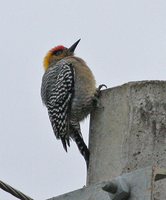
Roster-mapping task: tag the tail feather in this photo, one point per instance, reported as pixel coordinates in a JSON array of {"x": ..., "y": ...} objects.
[
  {"x": 75, "y": 134},
  {"x": 65, "y": 142},
  {"x": 82, "y": 147}
]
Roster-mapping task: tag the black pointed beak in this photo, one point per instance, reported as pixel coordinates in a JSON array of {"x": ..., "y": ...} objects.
[{"x": 72, "y": 48}]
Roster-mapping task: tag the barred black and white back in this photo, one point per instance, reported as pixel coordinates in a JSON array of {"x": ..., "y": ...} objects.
[{"x": 57, "y": 91}]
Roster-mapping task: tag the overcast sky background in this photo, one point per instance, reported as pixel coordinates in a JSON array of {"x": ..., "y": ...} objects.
[{"x": 121, "y": 41}]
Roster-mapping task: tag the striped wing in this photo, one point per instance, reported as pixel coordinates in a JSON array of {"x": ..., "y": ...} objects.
[{"x": 59, "y": 97}]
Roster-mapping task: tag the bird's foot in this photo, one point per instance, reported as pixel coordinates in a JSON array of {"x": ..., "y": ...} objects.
[
  {"x": 97, "y": 94},
  {"x": 98, "y": 91}
]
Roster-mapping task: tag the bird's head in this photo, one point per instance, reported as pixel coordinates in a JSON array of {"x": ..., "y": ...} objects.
[{"x": 57, "y": 53}]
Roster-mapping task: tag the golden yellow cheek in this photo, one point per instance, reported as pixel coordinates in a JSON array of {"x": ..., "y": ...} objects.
[{"x": 47, "y": 60}]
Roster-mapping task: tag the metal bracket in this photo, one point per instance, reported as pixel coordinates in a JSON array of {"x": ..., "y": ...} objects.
[
  {"x": 118, "y": 190},
  {"x": 138, "y": 185}
]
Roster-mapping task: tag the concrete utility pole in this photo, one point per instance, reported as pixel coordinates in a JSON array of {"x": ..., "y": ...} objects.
[{"x": 127, "y": 145}]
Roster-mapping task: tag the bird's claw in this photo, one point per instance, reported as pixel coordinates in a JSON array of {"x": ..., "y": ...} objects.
[
  {"x": 99, "y": 89},
  {"x": 97, "y": 94}
]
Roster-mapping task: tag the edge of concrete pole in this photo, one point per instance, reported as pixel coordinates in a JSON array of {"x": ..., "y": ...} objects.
[{"x": 128, "y": 130}]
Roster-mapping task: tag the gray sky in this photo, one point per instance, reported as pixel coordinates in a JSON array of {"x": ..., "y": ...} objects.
[{"x": 122, "y": 41}]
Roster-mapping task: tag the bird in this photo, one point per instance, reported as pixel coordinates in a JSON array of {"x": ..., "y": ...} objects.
[{"x": 69, "y": 92}]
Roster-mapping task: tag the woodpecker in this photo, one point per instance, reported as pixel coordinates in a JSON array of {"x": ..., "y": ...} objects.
[{"x": 68, "y": 91}]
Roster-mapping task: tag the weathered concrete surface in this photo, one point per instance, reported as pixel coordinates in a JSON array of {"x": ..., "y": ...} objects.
[
  {"x": 128, "y": 131},
  {"x": 140, "y": 184}
]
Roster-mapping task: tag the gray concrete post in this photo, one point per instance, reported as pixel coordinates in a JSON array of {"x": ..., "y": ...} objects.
[{"x": 128, "y": 130}]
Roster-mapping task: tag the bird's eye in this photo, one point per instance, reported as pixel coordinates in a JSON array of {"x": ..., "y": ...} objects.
[{"x": 57, "y": 53}]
